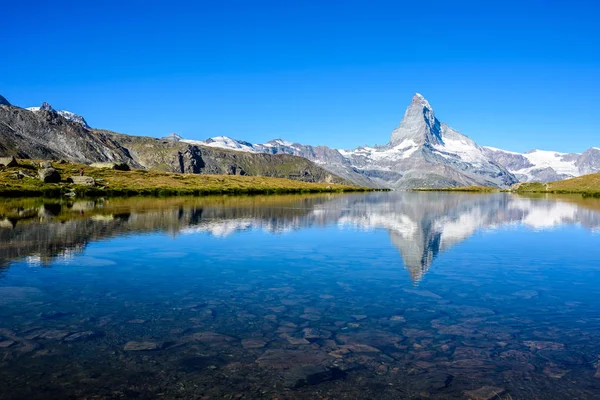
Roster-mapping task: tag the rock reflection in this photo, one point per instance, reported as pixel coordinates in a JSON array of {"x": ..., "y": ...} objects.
[{"x": 420, "y": 225}]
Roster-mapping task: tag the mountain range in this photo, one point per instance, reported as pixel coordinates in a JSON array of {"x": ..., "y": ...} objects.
[{"x": 422, "y": 152}]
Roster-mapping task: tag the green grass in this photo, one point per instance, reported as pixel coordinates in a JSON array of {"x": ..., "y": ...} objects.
[
  {"x": 153, "y": 183},
  {"x": 478, "y": 189},
  {"x": 587, "y": 185}
]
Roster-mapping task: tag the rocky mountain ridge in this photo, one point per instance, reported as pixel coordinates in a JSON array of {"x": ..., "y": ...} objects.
[
  {"x": 66, "y": 114},
  {"x": 45, "y": 133}
]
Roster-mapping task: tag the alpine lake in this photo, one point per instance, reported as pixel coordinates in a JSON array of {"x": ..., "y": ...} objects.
[{"x": 388, "y": 295}]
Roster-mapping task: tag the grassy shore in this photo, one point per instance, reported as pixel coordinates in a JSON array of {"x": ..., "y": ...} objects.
[
  {"x": 475, "y": 189},
  {"x": 587, "y": 185},
  {"x": 151, "y": 183}
]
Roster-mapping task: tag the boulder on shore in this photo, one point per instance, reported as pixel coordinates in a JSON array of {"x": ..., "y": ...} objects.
[
  {"x": 8, "y": 162},
  {"x": 111, "y": 165},
  {"x": 49, "y": 175},
  {"x": 82, "y": 180}
]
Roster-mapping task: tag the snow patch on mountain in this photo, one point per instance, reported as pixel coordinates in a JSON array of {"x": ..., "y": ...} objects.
[{"x": 555, "y": 160}]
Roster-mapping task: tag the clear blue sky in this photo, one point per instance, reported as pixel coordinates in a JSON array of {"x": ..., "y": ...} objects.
[{"x": 511, "y": 74}]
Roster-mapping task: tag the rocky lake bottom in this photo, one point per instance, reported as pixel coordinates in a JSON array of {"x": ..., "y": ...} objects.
[{"x": 363, "y": 296}]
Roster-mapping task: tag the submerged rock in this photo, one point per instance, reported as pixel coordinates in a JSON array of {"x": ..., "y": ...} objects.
[
  {"x": 485, "y": 393},
  {"x": 310, "y": 375},
  {"x": 142, "y": 346},
  {"x": 315, "y": 333},
  {"x": 77, "y": 336},
  {"x": 543, "y": 345},
  {"x": 554, "y": 371},
  {"x": 48, "y": 334},
  {"x": 6, "y": 344},
  {"x": 253, "y": 343},
  {"x": 286, "y": 359}
]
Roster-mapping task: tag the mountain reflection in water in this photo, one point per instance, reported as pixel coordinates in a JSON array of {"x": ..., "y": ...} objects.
[{"x": 420, "y": 225}]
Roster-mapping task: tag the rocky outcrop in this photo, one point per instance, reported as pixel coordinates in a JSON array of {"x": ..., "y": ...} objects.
[
  {"x": 111, "y": 165},
  {"x": 8, "y": 162},
  {"x": 49, "y": 175},
  {"x": 81, "y": 180}
]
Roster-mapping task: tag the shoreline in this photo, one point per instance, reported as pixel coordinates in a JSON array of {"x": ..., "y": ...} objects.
[{"x": 22, "y": 181}]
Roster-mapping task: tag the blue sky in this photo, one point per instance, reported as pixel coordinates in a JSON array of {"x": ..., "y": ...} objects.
[{"x": 515, "y": 75}]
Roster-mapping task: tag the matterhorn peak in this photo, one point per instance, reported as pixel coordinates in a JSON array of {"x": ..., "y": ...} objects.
[
  {"x": 419, "y": 99},
  {"x": 419, "y": 124}
]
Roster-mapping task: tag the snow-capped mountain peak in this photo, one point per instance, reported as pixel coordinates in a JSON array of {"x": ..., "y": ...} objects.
[
  {"x": 64, "y": 113},
  {"x": 46, "y": 107},
  {"x": 172, "y": 137},
  {"x": 419, "y": 124},
  {"x": 418, "y": 98}
]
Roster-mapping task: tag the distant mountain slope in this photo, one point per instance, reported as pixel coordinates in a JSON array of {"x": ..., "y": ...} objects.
[
  {"x": 47, "y": 134},
  {"x": 546, "y": 166}
]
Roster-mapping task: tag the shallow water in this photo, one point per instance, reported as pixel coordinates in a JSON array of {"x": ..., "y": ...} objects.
[{"x": 383, "y": 295}]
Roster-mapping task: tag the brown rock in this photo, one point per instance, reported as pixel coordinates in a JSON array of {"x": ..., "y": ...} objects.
[
  {"x": 6, "y": 344},
  {"x": 253, "y": 343},
  {"x": 49, "y": 175},
  {"x": 543, "y": 345},
  {"x": 294, "y": 340},
  {"x": 485, "y": 393},
  {"x": 284, "y": 359},
  {"x": 81, "y": 180},
  {"x": 210, "y": 337},
  {"x": 77, "y": 336},
  {"x": 8, "y": 162},
  {"x": 315, "y": 333},
  {"x": 360, "y": 348},
  {"x": 554, "y": 371},
  {"x": 142, "y": 346}
]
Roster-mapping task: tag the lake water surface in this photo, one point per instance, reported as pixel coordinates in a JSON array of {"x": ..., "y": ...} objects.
[{"x": 366, "y": 296}]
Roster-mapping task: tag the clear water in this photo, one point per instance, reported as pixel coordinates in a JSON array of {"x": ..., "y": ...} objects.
[{"x": 383, "y": 295}]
